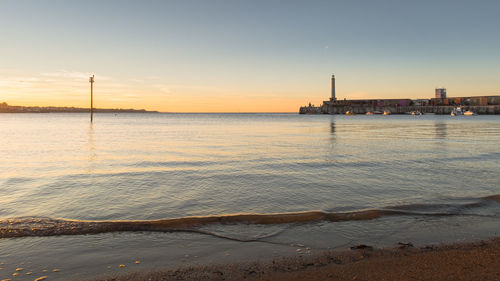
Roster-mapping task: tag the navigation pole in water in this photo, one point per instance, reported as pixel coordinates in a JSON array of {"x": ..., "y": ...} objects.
[{"x": 91, "y": 80}]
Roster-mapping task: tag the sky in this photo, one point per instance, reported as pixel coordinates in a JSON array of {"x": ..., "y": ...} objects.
[{"x": 244, "y": 56}]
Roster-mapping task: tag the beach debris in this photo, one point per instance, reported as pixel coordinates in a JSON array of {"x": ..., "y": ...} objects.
[
  {"x": 298, "y": 250},
  {"x": 404, "y": 245},
  {"x": 19, "y": 269},
  {"x": 361, "y": 247},
  {"x": 56, "y": 270},
  {"x": 137, "y": 262},
  {"x": 41, "y": 278},
  {"x": 29, "y": 273},
  {"x": 122, "y": 265},
  {"x": 299, "y": 245}
]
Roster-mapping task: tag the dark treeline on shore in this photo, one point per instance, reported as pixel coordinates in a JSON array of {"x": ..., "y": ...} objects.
[{"x": 5, "y": 108}]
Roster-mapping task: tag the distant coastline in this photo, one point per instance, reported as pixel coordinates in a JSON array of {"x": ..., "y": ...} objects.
[{"x": 5, "y": 108}]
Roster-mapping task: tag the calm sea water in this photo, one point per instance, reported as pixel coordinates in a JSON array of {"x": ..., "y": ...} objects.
[{"x": 439, "y": 169}]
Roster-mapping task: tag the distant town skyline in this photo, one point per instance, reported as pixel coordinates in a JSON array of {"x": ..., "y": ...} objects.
[{"x": 244, "y": 56}]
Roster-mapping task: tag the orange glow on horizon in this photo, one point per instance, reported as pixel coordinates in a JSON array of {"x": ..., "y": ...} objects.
[
  {"x": 71, "y": 89},
  {"x": 181, "y": 105}
]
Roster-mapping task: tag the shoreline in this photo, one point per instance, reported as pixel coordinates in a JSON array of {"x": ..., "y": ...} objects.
[{"x": 456, "y": 261}]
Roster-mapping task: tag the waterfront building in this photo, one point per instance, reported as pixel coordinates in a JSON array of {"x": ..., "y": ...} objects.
[
  {"x": 440, "y": 93},
  {"x": 440, "y": 104},
  {"x": 473, "y": 101}
]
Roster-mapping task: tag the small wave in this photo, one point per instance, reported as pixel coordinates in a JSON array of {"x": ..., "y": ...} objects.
[
  {"x": 173, "y": 163},
  {"x": 36, "y": 226},
  {"x": 41, "y": 226},
  {"x": 447, "y": 208},
  {"x": 483, "y": 156},
  {"x": 495, "y": 198}
]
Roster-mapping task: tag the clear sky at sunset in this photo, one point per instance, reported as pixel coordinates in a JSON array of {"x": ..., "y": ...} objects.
[{"x": 244, "y": 56}]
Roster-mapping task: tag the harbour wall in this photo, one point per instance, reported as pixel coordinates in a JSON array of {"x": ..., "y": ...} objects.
[
  {"x": 312, "y": 110},
  {"x": 336, "y": 109}
]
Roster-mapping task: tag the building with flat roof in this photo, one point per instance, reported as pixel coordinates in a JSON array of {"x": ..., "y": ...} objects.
[{"x": 440, "y": 93}]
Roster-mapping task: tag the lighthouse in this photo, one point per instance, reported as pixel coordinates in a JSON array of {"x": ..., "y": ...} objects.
[{"x": 333, "y": 98}]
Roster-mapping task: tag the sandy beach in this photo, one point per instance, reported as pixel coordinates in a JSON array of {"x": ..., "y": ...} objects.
[{"x": 466, "y": 261}]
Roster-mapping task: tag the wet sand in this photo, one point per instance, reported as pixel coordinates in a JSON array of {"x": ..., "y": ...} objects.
[{"x": 466, "y": 261}]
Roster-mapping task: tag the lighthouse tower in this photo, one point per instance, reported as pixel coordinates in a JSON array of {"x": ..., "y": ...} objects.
[{"x": 333, "y": 98}]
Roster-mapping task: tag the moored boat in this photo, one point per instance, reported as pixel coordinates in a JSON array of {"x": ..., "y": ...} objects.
[{"x": 457, "y": 111}]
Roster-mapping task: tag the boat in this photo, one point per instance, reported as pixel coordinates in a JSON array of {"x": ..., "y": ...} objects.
[
  {"x": 378, "y": 112},
  {"x": 457, "y": 111},
  {"x": 414, "y": 113},
  {"x": 349, "y": 113},
  {"x": 369, "y": 113},
  {"x": 387, "y": 112},
  {"x": 469, "y": 113}
]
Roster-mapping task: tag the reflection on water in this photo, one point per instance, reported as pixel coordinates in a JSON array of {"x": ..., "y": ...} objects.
[
  {"x": 164, "y": 166},
  {"x": 159, "y": 166},
  {"x": 91, "y": 149},
  {"x": 440, "y": 129},
  {"x": 332, "y": 127}
]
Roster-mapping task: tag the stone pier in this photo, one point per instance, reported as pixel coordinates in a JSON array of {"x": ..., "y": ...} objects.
[{"x": 335, "y": 109}]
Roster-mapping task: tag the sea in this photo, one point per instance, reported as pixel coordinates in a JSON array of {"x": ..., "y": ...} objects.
[{"x": 150, "y": 191}]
